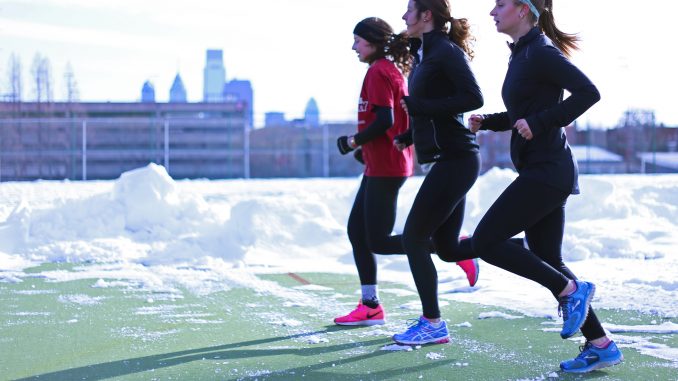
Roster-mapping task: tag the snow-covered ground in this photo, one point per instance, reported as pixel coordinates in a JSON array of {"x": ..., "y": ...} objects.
[{"x": 151, "y": 231}]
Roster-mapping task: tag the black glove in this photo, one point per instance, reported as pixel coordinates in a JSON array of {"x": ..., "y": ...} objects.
[
  {"x": 342, "y": 144},
  {"x": 358, "y": 155},
  {"x": 404, "y": 138}
]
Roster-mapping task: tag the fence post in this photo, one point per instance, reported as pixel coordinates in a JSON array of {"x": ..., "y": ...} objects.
[
  {"x": 326, "y": 152},
  {"x": 167, "y": 145},
  {"x": 1, "y": 150},
  {"x": 654, "y": 149},
  {"x": 246, "y": 150},
  {"x": 84, "y": 150}
]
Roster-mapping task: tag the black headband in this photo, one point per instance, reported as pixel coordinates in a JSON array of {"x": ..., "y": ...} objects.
[{"x": 369, "y": 33}]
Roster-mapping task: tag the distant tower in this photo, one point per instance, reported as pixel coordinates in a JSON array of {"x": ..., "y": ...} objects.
[
  {"x": 215, "y": 76},
  {"x": 240, "y": 90},
  {"x": 312, "y": 115},
  {"x": 148, "y": 93},
  {"x": 178, "y": 91}
]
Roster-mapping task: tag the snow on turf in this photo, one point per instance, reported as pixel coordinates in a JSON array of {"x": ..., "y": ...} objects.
[
  {"x": 497, "y": 315},
  {"x": 147, "y": 231}
]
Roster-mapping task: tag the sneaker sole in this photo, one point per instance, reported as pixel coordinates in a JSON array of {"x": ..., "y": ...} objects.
[
  {"x": 596, "y": 366},
  {"x": 444, "y": 340},
  {"x": 586, "y": 312},
  {"x": 363, "y": 322}
]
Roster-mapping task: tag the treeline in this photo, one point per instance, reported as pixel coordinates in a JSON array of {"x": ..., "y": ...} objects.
[{"x": 41, "y": 84}]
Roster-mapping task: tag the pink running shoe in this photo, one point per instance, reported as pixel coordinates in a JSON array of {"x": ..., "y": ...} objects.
[
  {"x": 471, "y": 268},
  {"x": 362, "y": 315}
]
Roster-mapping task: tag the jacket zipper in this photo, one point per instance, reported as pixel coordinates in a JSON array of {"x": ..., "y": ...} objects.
[{"x": 435, "y": 134}]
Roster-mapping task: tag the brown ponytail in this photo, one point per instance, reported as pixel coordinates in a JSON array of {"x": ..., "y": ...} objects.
[
  {"x": 460, "y": 34},
  {"x": 459, "y": 30},
  {"x": 566, "y": 42},
  {"x": 398, "y": 50}
]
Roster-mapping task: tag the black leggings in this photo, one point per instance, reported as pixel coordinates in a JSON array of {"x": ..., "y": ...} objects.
[
  {"x": 538, "y": 210},
  {"x": 371, "y": 222},
  {"x": 437, "y": 214}
]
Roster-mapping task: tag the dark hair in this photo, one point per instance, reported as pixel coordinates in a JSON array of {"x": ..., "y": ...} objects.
[
  {"x": 387, "y": 44},
  {"x": 564, "y": 41},
  {"x": 459, "y": 31}
]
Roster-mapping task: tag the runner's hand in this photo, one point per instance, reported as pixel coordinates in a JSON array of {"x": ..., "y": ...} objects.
[
  {"x": 475, "y": 121},
  {"x": 523, "y": 129}
]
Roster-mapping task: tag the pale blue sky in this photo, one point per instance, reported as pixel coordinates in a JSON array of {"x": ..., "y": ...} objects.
[{"x": 292, "y": 50}]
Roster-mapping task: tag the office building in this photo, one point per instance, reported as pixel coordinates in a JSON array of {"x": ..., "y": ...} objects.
[
  {"x": 241, "y": 90},
  {"x": 148, "y": 93},
  {"x": 81, "y": 141},
  {"x": 178, "y": 91},
  {"x": 312, "y": 114},
  {"x": 214, "y": 76},
  {"x": 275, "y": 119}
]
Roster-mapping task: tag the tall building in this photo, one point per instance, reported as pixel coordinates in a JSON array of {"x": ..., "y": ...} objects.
[
  {"x": 240, "y": 90},
  {"x": 311, "y": 114},
  {"x": 178, "y": 91},
  {"x": 148, "y": 93},
  {"x": 215, "y": 76}
]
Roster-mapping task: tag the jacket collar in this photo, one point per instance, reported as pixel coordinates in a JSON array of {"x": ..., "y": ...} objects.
[
  {"x": 526, "y": 39},
  {"x": 428, "y": 38}
]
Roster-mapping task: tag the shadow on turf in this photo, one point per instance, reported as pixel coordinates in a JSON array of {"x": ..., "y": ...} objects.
[
  {"x": 222, "y": 352},
  {"x": 232, "y": 351}
]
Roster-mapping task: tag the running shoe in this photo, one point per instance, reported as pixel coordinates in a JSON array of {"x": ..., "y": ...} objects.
[
  {"x": 363, "y": 315},
  {"x": 592, "y": 358},
  {"x": 472, "y": 270},
  {"x": 575, "y": 307},
  {"x": 423, "y": 332},
  {"x": 470, "y": 266}
]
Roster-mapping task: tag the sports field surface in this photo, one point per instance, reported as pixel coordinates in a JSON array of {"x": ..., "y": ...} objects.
[{"x": 78, "y": 330}]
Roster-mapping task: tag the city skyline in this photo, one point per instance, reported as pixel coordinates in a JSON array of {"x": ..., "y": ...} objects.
[{"x": 292, "y": 52}]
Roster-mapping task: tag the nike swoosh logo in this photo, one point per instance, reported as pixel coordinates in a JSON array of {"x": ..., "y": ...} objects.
[
  {"x": 591, "y": 357},
  {"x": 373, "y": 315},
  {"x": 576, "y": 304}
]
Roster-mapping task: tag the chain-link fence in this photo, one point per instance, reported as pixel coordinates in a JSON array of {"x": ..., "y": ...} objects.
[
  {"x": 83, "y": 149},
  {"x": 216, "y": 147}
]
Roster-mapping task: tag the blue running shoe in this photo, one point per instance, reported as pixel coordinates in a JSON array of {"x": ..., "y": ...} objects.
[
  {"x": 423, "y": 332},
  {"x": 575, "y": 307},
  {"x": 592, "y": 358}
]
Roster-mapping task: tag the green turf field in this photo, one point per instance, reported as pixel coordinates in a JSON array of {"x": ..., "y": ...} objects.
[{"x": 280, "y": 331}]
